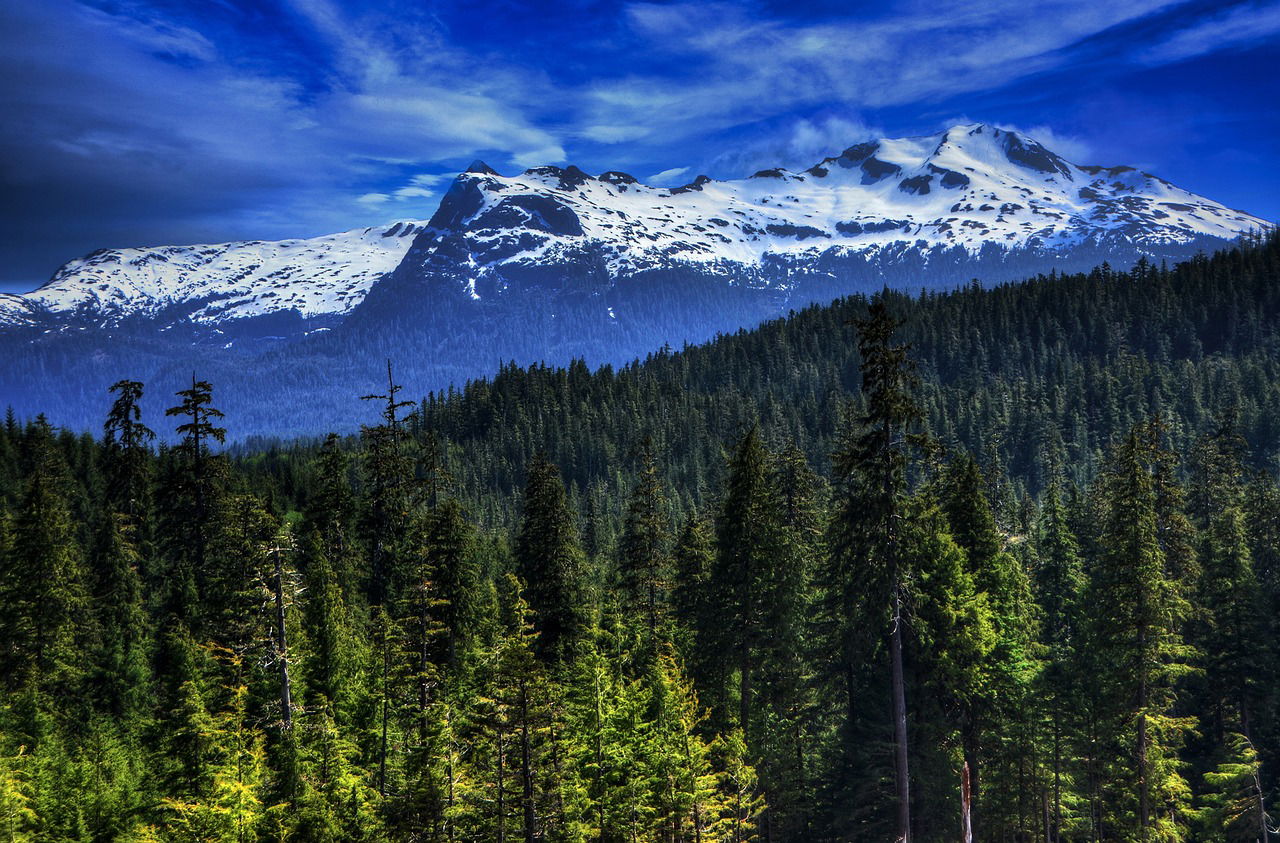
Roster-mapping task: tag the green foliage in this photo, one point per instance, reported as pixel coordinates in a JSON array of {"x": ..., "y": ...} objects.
[
  {"x": 550, "y": 561},
  {"x": 1233, "y": 807},
  {"x": 752, "y": 591}
]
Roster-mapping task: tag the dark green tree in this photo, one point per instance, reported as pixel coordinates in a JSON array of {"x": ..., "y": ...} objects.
[
  {"x": 1138, "y": 611},
  {"x": 550, "y": 562},
  {"x": 867, "y": 583},
  {"x": 643, "y": 561},
  {"x": 127, "y": 451}
]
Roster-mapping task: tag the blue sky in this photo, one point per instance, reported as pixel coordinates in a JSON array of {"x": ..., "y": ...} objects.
[{"x": 141, "y": 123}]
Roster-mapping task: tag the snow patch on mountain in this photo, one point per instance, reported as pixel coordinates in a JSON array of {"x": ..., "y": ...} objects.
[
  {"x": 961, "y": 191},
  {"x": 968, "y": 187},
  {"x": 210, "y": 284}
]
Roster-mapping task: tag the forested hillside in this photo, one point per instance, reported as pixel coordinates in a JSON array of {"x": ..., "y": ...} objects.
[{"x": 793, "y": 585}]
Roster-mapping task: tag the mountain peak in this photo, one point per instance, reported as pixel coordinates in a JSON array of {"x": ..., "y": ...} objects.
[
  {"x": 478, "y": 166},
  {"x": 991, "y": 147}
]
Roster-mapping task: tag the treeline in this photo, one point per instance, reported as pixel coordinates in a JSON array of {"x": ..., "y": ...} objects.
[
  {"x": 583, "y": 606},
  {"x": 1025, "y": 376}
]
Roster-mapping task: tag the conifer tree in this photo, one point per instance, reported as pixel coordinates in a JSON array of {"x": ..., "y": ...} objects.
[
  {"x": 1233, "y": 805},
  {"x": 1000, "y": 685},
  {"x": 337, "y": 802},
  {"x": 693, "y": 559},
  {"x": 232, "y": 805},
  {"x": 514, "y": 745},
  {"x": 196, "y": 432},
  {"x": 122, "y": 673},
  {"x": 18, "y": 818},
  {"x": 127, "y": 449},
  {"x": 868, "y": 579},
  {"x": 1228, "y": 631},
  {"x": 332, "y": 670},
  {"x": 643, "y": 551},
  {"x": 1139, "y": 609},
  {"x": 450, "y": 539},
  {"x": 550, "y": 562},
  {"x": 737, "y": 801},
  {"x": 192, "y": 497},
  {"x": 951, "y": 637},
  {"x": 1060, "y": 588},
  {"x": 389, "y": 499},
  {"x": 745, "y": 537},
  {"x": 785, "y": 756},
  {"x": 329, "y": 516},
  {"x": 45, "y": 589}
]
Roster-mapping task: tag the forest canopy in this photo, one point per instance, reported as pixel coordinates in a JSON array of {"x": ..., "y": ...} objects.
[{"x": 795, "y": 584}]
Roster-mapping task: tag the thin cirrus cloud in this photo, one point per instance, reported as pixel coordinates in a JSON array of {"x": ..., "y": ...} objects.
[
  {"x": 1234, "y": 28},
  {"x": 129, "y": 129},
  {"x": 142, "y": 122},
  {"x": 668, "y": 177},
  {"x": 749, "y": 67}
]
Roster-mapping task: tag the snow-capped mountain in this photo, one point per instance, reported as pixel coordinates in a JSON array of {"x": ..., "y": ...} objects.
[
  {"x": 928, "y": 204},
  {"x": 554, "y": 265},
  {"x": 969, "y": 188},
  {"x": 320, "y": 277}
]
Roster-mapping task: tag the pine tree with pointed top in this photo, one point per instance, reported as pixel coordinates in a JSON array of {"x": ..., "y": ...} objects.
[
  {"x": 192, "y": 492},
  {"x": 127, "y": 451},
  {"x": 1139, "y": 608},
  {"x": 122, "y": 669},
  {"x": 745, "y": 536},
  {"x": 998, "y": 699},
  {"x": 866, "y": 582},
  {"x": 1228, "y": 628},
  {"x": 1060, "y": 590},
  {"x": 389, "y": 499},
  {"x": 643, "y": 561},
  {"x": 550, "y": 562},
  {"x": 44, "y": 611}
]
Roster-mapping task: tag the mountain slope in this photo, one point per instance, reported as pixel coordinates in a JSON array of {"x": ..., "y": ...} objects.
[
  {"x": 212, "y": 284},
  {"x": 555, "y": 264},
  {"x": 967, "y": 188}
]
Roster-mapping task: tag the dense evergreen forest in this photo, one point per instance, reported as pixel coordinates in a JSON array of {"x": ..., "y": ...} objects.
[{"x": 813, "y": 581}]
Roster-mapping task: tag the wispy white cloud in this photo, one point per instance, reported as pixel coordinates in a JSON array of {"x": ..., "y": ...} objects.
[
  {"x": 1071, "y": 146},
  {"x": 744, "y": 65},
  {"x": 1238, "y": 27},
  {"x": 796, "y": 145},
  {"x": 407, "y": 95},
  {"x": 126, "y": 123},
  {"x": 667, "y": 177}
]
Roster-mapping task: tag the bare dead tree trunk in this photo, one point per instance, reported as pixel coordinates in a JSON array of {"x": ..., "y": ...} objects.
[
  {"x": 282, "y": 642},
  {"x": 900, "y": 723},
  {"x": 526, "y": 768},
  {"x": 502, "y": 801},
  {"x": 966, "y": 802},
  {"x": 382, "y": 751}
]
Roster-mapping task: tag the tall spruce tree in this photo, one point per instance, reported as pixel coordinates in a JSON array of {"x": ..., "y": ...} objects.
[
  {"x": 389, "y": 500},
  {"x": 122, "y": 674},
  {"x": 745, "y": 536},
  {"x": 192, "y": 492},
  {"x": 1228, "y": 630},
  {"x": 1000, "y": 686},
  {"x": 868, "y": 580},
  {"x": 1060, "y": 589},
  {"x": 550, "y": 562},
  {"x": 643, "y": 561},
  {"x": 45, "y": 607},
  {"x": 1139, "y": 607},
  {"x": 127, "y": 451}
]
